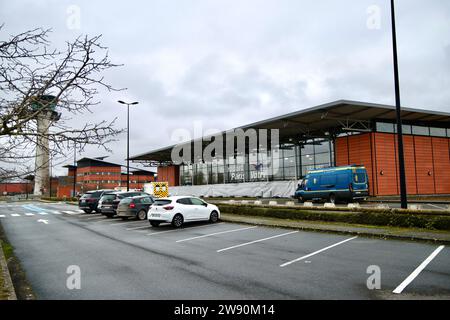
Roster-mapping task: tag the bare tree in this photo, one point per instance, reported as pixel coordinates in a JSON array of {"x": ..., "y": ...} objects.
[{"x": 33, "y": 79}]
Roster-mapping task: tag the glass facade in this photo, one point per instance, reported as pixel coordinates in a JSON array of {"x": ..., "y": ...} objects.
[
  {"x": 286, "y": 163},
  {"x": 388, "y": 127}
]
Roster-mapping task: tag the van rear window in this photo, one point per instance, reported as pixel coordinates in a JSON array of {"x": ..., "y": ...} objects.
[{"x": 359, "y": 177}]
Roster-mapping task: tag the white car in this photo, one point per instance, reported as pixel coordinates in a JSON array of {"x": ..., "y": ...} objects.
[{"x": 178, "y": 210}]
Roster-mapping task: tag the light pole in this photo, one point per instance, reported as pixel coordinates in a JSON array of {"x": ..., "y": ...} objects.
[
  {"x": 74, "y": 169},
  {"x": 128, "y": 140},
  {"x": 401, "y": 158}
]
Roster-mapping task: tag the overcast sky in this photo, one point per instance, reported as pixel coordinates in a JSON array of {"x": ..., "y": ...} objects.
[{"x": 227, "y": 63}]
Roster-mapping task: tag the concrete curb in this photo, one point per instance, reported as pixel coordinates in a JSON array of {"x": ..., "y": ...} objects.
[
  {"x": 6, "y": 276},
  {"x": 339, "y": 229}
]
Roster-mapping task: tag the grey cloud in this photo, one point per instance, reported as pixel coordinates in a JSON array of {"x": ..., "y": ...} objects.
[{"x": 228, "y": 63}]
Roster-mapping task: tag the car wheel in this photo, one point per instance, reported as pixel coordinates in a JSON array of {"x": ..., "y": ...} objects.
[
  {"x": 214, "y": 217},
  {"x": 142, "y": 215},
  {"x": 332, "y": 198},
  {"x": 124, "y": 218},
  {"x": 88, "y": 211},
  {"x": 155, "y": 223},
  {"x": 177, "y": 221},
  {"x": 109, "y": 215}
]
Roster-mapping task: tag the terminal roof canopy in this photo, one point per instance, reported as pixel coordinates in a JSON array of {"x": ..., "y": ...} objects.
[{"x": 323, "y": 121}]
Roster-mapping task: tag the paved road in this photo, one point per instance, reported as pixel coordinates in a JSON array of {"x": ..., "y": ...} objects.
[{"x": 131, "y": 260}]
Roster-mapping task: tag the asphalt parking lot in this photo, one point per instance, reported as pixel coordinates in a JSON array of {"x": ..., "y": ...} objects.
[{"x": 132, "y": 260}]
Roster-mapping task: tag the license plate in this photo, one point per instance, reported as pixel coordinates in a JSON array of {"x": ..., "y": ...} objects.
[
  {"x": 83, "y": 201},
  {"x": 106, "y": 206},
  {"x": 156, "y": 215}
]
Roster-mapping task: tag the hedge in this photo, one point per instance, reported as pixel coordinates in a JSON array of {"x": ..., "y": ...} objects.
[
  {"x": 376, "y": 218},
  {"x": 59, "y": 199}
]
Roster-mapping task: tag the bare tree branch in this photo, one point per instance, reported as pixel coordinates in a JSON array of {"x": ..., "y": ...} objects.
[{"x": 30, "y": 70}]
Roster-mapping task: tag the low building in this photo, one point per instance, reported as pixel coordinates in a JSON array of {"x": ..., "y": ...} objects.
[
  {"x": 15, "y": 188},
  {"x": 334, "y": 134},
  {"x": 95, "y": 173}
]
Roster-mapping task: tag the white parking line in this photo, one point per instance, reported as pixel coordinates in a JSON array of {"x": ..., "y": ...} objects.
[
  {"x": 89, "y": 215},
  {"x": 56, "y": 212},
  {"x": 29, "y": 214},
  {"x": 97, "y": 218},
  {"x": 15, "y": 215},
  {"x": 126, "y": 223},
  {"x": 256, "y": 241},
  {"x": 316, "y": 252},
  {"x": 216, "y": 233},
  {"x": 2, "y": 215},
  {"x": 136, "y": 228},
  {"x": 69, "y": 212},
  {"x": 418, "y": 270},
  {"x": 42, "y": 213},
  {"x": 175, "y": 230},
  {"x": 435, "y": 206}
]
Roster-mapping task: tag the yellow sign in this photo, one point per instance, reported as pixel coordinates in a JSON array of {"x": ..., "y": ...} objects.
[{"x": 160, "y": 189}]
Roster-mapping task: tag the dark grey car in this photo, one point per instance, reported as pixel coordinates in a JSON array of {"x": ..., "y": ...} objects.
[
  {"x": 109, "y": 201},
  {"x": 136, "y": 207}
]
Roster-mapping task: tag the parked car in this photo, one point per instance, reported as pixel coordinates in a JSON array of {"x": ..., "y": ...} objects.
[
  {"x": 89, "y": 201},
  {"x": 110, "y": 201},
  {"x": 178, "y": 210},
  {"x": 346, "y": 183},
  {"x": 136, "y": 207}
]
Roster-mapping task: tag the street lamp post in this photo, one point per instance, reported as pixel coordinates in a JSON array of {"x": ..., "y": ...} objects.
[
  {"x": 74, "y": 169},
  {"x": 401, "y": 158},
  {"x": 128, "y": 140}
]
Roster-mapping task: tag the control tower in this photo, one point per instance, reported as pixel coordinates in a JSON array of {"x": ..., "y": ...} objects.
[{"x": 44, "y": 120}]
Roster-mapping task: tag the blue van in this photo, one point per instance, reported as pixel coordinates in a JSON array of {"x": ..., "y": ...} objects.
[{"x": 334, "y": 184}]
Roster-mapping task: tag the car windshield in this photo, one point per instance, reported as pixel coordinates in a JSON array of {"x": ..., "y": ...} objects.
[
  {"x": 162, "y": 202},
  {"x": 86, "y": 195}
]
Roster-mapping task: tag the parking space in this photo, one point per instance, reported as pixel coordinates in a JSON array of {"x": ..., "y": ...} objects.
[{"x": 276, "y": 262}]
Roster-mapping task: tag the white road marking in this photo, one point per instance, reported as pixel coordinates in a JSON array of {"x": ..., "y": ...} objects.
[
  {"x": 89, "y": 215},
  {"x": 97, "y": 218},
  {"x": 15, "y": 215},
  {"x": 256, "y": 241},
  {"x": 435, "y": 206},
  {"x": 42, "y": 213},
  {"x": 56, "y": 212},
  {"x": 69, "y": 212},
  {"x": 175, "y": 230},
  {"x": 216, "y": 233},
  {"x": 29, "y": 214},
  {"x": 126, "y": 223},
  {"x": 418, "y": 270},
  {"x": 135, "y": 228},
  {"x": 317, "y": 252},
  {"x": 43, "y": 221},
  {"x": 2, "y": 215}
]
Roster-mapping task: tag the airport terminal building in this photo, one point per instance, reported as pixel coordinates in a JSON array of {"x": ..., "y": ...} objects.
[{"x": 334, "y": 134}]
